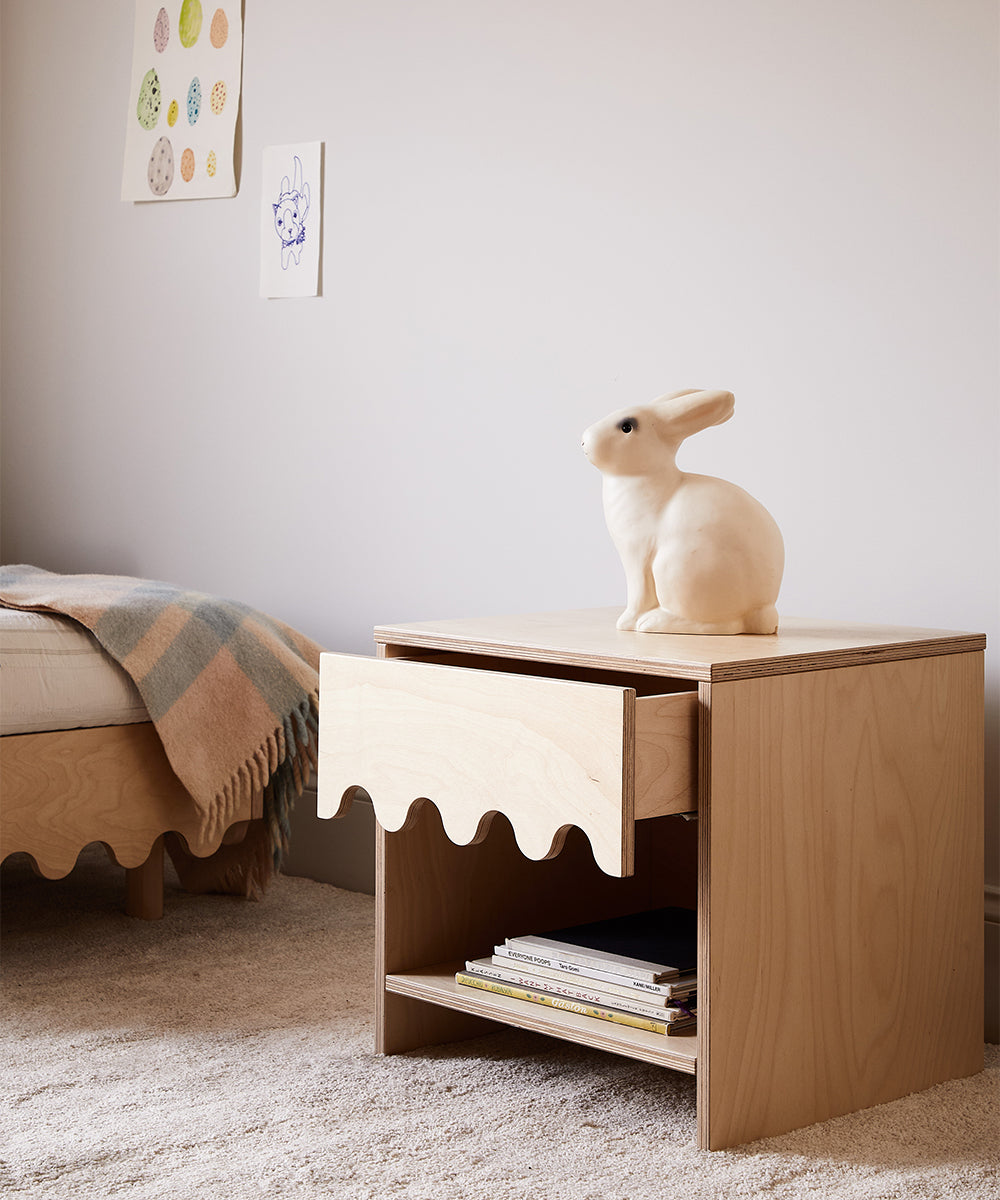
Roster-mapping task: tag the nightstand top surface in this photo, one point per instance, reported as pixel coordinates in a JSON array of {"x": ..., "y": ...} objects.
[{"x": 588, "y": 637}]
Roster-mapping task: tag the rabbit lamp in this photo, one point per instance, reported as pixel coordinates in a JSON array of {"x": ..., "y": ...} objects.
[{"x": 700, "y": 554}]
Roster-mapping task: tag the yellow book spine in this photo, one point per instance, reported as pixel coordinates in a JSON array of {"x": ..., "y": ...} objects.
[{"x": 577, "y": 1006}]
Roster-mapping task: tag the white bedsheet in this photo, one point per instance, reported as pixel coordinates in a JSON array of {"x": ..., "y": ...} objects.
[{"x": 55, "y": 675}]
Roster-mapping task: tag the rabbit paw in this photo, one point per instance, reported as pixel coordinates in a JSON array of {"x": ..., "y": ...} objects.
[{"x": 660, "y": 620}]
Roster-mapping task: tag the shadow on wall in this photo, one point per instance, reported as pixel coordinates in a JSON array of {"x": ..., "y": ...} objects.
[{"x": 340, "y": 851}]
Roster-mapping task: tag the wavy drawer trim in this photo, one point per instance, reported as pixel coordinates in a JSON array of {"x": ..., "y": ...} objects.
[
  {"x": 463, "y": 828},
  {"x": 547, "y": 753}
]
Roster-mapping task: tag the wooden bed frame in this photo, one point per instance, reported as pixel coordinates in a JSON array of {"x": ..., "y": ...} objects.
[{"x": 61, "y": 791}]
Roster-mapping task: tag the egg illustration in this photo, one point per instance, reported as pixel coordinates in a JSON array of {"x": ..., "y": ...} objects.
[
  {"x": 161, "y": 31},
  {"x": 194, "y": 101},
  {"x": 187, "y": 165},
  {"x": 220, "y": 29},
  {"x": 211, "y": 166},
  {"x": 160, "y": 172},
  {"x": 218, "y": 97},
  {"x": 172, "y": 112},
  {"x": 189, "y": 23},
  {"x": 147, "y": 107}
]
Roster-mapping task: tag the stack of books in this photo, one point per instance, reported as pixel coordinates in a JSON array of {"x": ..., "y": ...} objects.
[{"x": 637, "y": 970}]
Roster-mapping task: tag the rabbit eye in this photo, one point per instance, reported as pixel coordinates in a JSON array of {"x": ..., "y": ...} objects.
[{"x": 628, "y": 425}]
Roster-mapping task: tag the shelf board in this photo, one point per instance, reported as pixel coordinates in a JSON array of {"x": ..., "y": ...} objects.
[{"x": 437, "y": 985}]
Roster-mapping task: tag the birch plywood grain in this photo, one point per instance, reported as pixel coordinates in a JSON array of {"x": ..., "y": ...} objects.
[
  {"x": 841, "y": 892},
  {"x": 588, "y": 637},
  {"x": 547, "y": 753},
  {"x": 666, "y": 754},
  {"x": 666, "y": 723},
  {"x": 112, "y": 784}
]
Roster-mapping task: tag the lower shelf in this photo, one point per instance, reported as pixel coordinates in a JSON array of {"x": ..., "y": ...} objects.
[{"x": 437, "y": 985}]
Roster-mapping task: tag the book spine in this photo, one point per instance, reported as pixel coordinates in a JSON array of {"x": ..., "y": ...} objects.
[
  {"x": 594, "y": 958},
  {"x": 681, "y": 987},
  {"x": 561, "y": 1002},
  {"x": 575, "y": 991}
]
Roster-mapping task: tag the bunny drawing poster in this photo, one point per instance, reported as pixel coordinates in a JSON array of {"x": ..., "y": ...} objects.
[
  {"x": 700, "y": 554},
  {"x": 291, "y": 211}
]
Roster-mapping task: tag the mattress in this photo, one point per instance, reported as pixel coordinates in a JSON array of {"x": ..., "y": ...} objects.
[{"x": 54, "y": 674}]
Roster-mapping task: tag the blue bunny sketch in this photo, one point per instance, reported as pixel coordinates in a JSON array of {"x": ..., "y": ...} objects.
[{"x": 290, "y": 214}]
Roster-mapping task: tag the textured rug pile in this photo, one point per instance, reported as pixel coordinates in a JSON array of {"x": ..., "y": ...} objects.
[{"x": 225, "y": 1051}]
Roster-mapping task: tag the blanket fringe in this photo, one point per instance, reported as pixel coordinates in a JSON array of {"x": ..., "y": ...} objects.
[{"x": 279, "y": 769}]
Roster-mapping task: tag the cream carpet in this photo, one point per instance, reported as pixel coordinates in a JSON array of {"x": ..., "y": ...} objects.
[{"x": 225, "y": 1052}]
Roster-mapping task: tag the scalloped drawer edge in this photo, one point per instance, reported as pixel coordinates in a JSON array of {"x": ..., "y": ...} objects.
[{"x": 546, "y": 752}]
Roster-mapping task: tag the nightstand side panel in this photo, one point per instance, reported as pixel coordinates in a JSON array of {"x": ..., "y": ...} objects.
[{"x": 841, "y": 891}]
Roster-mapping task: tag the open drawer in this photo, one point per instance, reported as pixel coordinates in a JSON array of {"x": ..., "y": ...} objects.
[{"x": 546, "y": 752}]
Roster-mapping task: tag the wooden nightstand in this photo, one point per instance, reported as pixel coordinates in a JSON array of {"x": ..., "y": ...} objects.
[{"x": 835, "y": 862}]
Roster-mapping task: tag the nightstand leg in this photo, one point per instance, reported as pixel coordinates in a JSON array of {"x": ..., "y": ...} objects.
[{"x": 144, "y": 886}]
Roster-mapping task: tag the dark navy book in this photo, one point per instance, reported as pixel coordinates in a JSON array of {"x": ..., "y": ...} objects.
[{"x": 655, "y": 945}]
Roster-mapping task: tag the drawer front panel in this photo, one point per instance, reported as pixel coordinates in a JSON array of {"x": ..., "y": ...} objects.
[{"x": 547, "y": 753}]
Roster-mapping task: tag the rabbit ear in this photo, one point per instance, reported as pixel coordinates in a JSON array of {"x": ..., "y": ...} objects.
[{"x": 680, "y": 414}]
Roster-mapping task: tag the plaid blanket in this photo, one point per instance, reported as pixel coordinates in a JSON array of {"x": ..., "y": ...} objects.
[{"x": 232, "y": 693}]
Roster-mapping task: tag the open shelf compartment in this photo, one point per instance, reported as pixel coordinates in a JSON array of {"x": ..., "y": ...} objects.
[
  {"x": 437, "y": 985},
  {"x": 445, "y": 904}
]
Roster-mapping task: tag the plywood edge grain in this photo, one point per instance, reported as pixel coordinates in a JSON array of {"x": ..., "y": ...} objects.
[
  {"x": 588, "y": 639},
  {"x": 848, "y": 656}
]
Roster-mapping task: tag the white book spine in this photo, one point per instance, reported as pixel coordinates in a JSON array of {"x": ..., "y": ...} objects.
[
  {"x": 660, "y": 994},
  {"x": 573, "y": 968},
  {"x": 633, "y": 967}
]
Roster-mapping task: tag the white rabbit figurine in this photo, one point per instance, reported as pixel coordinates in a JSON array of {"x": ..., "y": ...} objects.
[{"x": 700, "y": 554}]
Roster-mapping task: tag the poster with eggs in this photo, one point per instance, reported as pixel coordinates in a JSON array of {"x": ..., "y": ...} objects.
[{"x": 183, "y": 101}]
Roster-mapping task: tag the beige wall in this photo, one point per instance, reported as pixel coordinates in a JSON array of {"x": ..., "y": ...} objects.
[{"x": 534, "y": 212}]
